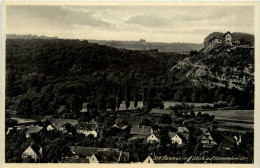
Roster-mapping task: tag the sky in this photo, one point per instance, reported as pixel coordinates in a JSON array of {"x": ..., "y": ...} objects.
[{"x": 190, "y": 24}]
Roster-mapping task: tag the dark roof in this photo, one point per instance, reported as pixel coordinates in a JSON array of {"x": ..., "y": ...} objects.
[
  {"x": 227, "y": 141},
  {"x": 228, "y": 32},
  {"x": 121, "y": 124},
  {"x": 141, "y": 130},
  {"x": 214, "y": 37},
  {"x": 185, "y": 136},
  {"x": 108, "y": 156},
  {"x": 86, "y": 126},
  {"x": 136, "y": 137},
  {"x": 74, "y": 160},
  {"x": 93, "y": 122},
  {"x": 161, "y": 111},
  {"x": 47, "y": 118},
  {"x": 83, "y": 151},
  {"x": 34, "y": 129},
  {"x": 36, "y": 148},
  {"x": 172, "y": 134}
]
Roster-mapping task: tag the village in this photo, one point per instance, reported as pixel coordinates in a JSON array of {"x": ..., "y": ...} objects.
[{"x": 127, "y": 136}]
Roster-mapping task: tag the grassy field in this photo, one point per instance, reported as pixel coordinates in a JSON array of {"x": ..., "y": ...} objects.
[{"x": 234, "y": 119}]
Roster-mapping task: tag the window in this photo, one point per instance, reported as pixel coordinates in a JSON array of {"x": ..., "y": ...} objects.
[{"x": 148, "y": 160}]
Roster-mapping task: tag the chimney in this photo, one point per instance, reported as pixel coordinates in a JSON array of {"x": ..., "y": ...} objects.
[{"x": 143, "y": 127}]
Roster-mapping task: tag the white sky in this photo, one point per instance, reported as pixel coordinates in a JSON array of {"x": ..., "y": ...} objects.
[{"x": 155, "y": 24}]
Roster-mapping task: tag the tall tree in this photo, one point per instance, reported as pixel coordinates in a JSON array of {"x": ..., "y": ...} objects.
[
  {"x": 136, "y": 97},
  {"x": 127, "y": 97},
  {"x": 118, "y": 98}
]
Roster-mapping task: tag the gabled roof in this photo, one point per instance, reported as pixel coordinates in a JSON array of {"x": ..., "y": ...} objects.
[
  {"x": 108, "y": 156},
  {"x": 92, "y": 122},
  {"x": 172, "y": 134},
  {"x": 83, "y": 151},
  {"x": 228, "y": 32},
  {"x": 141, "y": 130},
  {"x": 36, "y": 148},
  {"x": 161, "y": 111},
  {"x": 34, "y": 129},
  {"x": 227, "y": 141}
]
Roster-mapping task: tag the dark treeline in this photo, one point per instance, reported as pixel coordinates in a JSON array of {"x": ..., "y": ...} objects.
[{"x": 42, "y": 75}]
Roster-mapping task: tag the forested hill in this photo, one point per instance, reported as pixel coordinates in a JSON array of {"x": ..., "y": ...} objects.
[{"x": 48, "y": 73}]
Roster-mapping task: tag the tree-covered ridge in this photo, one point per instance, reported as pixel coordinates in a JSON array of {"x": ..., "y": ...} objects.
[{"x": 44, "y": 74}]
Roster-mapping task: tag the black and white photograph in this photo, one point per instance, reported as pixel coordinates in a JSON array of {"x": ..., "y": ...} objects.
[{"x": 129, "y": 84}]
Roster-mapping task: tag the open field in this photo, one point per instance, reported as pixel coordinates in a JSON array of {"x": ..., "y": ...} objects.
[{"x": 235, "y": 119}]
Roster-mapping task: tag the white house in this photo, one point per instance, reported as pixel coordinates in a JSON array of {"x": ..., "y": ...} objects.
[
  {"x": 34, "y": 153},
  {"x": 175, "y": 138},
  {"x": 88, "y": 132},
  {"x": 93, "y": 159},
  {"x": 183, "y": 129},
  {"x": 87, "y": 129},
  {"x": 50, "y": 127},
  {"x": 153, "y": 138},
  {"x": 148, "y": 160}
]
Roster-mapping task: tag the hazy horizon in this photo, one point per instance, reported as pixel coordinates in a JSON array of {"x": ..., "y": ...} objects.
[{"x": 165, "y": 24}]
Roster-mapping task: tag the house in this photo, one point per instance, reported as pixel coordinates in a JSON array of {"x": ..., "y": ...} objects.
[
  {"x": 34, "y": 152},
  {"x": 98, "y": 155},
  {"x": 85, "y": 108},
  {"x": 183, "y": 129},
  {"x": 33, "y": 130},
  {"x": 218, "y": 41},
  {"x": 227, "y": 142},
  {"x": 175, "y": 138},
  {"x": 148, "y": 160},
  {"x": 91, "y": 159},
  {"x": 86, "y": 129},
  {"x": 159, "y": 112},
  {"x": 179, "y": 138},
  {"x": 153, "y": 138},
  {"x": 207, "y": 141},
  {"x": 83, "y": 152},
  {"x": 93, "y": 123},
  {"x": 50, "y": 127},
  {"x": 160, "y": 159},
  {"x": 141, "y": 130},
  {"x": 121, "y": 125},
  {"x": 59, "y": 124}
]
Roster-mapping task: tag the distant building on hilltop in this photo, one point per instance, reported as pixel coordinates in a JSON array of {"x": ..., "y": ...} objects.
[
  {"x": 218, "y": 41},
  {"x": 142, "y": 40}
]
